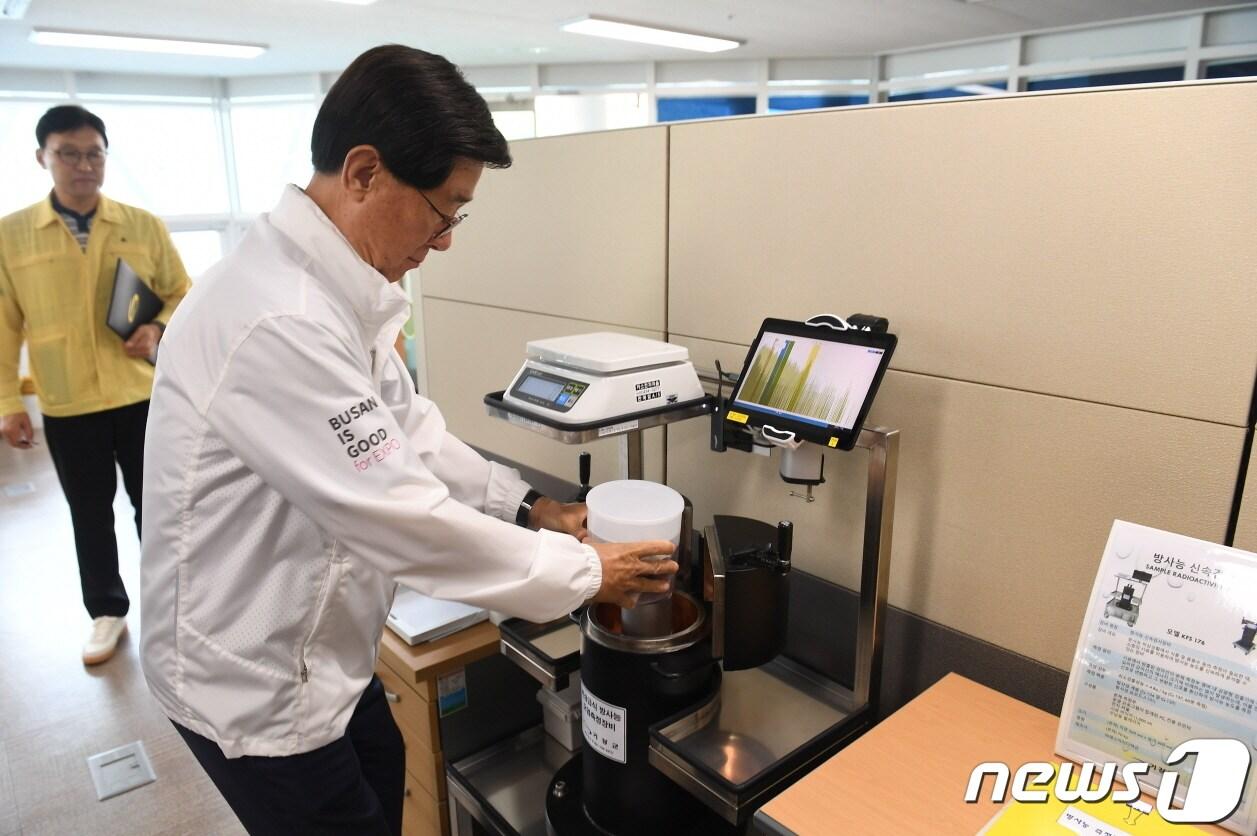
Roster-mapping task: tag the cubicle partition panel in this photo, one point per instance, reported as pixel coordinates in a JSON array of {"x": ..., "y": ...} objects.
[
  {"x": 1005, "y": 499},
  {"x": 576, "y": 227},
  {"x": 1091, "y": 245},
  {"x": 474, "y": 349},
  {"x": 1073, "y": 278}
]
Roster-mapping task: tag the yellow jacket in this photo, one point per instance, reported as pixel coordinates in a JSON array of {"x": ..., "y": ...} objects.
[{"x": 56, "y": 297}]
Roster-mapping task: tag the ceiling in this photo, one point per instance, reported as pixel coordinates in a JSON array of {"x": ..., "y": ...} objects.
[{"x": 319, "y": 35}]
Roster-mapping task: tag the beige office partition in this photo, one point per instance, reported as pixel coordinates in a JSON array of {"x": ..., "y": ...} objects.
[
  {"x": 476, "y": 349},
  {"x": 569, "y": 240},
  {"x": 575, "y": 228},
  {"x": 1004, "y": 505},
  {"x": 1246, "y": 529},
  {"x": 1093, "y": 245},
  {"x": 1073, "y": 279}
]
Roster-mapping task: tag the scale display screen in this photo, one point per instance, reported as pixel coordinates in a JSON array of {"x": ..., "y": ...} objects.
[
  {"x": 815, "y": 381},
  {"x": 548, "y": 390}
]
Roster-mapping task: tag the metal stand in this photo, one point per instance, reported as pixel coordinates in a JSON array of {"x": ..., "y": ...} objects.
[
  {"x": 882, "y": 445},
  {"x": 879, "y": 520},
  {"x": 775, "y": 748},
  {"x": 631, "y": 454},
  {"x": 840, "y": 714},
  {"x": 629, "y": 431}
]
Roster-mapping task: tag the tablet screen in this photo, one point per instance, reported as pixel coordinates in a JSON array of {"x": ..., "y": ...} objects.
[{"x": 817, "y": 382}]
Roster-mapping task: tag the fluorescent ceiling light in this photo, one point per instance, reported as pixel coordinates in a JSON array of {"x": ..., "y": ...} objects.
[
  {"x": 621, "y": 31},
  {"x": 136, "y": 43}
]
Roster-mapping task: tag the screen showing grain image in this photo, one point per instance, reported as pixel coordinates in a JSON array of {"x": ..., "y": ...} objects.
[{"x": 815, "y": 381}]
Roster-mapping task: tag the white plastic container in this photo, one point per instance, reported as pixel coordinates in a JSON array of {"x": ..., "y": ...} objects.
[
  {"x": 560, "y": 710},
  {"x": 632, "y": 510}
]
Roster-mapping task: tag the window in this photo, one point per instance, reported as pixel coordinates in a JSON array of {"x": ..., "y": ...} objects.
[
  {"x": 271, "y": 142},
  {"x": 165, "y": 158},
  {"x": 704, "y": 107},
  {"x": 1107, "y": 79},
  {"x": 198, "y": 249},
  {"x": 986, "y": 88},
  {"x": 1232, "y": 69},
  {"x": 24, "y": 181},
  {"x": 516, "y": 124},
  {"x": 568, "y": 114},
  {"x": 781, "y": 104}
]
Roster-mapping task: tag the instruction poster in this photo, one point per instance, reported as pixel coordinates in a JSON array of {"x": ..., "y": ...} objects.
[{"x": 1167, "y": 654}]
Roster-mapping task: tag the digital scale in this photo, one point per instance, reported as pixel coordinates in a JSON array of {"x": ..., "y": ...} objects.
[{"x": 602, "y": 377}]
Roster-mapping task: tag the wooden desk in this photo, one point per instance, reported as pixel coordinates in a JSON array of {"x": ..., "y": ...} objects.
[
  {"x": 909, "y": 773},
  {"x": 410, "y": 677}
]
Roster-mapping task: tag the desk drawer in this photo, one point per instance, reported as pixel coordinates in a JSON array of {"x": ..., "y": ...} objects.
[
  {"x": 428, "y": 768},
  {"x": 416, "y": 716},
  {"x": 423, "y": 815}
]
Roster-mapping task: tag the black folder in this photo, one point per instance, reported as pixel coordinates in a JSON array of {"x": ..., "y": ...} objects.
[{"x": 132, "y": 303}]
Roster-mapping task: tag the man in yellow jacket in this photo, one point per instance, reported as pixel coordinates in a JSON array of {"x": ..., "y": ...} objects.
[{"x": 57, "y": 263}]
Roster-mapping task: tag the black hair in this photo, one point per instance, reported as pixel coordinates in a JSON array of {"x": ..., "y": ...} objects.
[
  {"x": 64, "y": 118},
  {"x": 415, "y": 108}
]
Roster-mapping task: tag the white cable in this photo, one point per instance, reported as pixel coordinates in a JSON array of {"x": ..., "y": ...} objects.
[{"x": 846, "y": 326}]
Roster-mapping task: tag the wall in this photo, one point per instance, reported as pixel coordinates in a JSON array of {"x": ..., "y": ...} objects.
[
  {"x": 1071, "y": 276},
  {"x": 1039, "y": 258}
]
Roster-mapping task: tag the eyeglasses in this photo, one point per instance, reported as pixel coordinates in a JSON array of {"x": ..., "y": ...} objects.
[
  {"x": 72, "y": 156},
  {"x": 451, "y": 221}
]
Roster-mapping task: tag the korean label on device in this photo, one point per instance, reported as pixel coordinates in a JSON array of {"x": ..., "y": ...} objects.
[{"x": 603, "y": 725}]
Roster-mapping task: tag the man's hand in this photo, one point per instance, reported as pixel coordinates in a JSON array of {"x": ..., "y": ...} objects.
[
  {"x": 17, "y": 430},
  {"x": 143, "y": 342},
  {"x": 567, "y": 517},
  {"x": 628, "y": 570}
]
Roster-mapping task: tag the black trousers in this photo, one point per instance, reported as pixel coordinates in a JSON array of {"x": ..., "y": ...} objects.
[
  {"x": 350, "y": 787},
  {"x": 84, "y": 449}
]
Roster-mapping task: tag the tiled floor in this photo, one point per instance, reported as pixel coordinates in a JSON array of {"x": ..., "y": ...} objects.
[{"x": 54, "y": 712}]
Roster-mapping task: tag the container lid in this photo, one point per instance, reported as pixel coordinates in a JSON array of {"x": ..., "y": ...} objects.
[{"x": 607, "y": 352}]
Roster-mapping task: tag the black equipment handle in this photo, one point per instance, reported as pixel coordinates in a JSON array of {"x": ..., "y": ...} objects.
[{"x": 586, "y": 460}]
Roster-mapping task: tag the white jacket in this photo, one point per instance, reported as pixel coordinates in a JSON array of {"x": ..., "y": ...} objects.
[{"x": 291, "y": 476}]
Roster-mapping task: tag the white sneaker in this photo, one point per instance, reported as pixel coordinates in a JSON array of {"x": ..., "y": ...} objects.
[{"x": 106, "y": 631}]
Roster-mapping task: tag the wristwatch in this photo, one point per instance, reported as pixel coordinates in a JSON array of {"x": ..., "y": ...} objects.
[{"x": 525, "y": 506}]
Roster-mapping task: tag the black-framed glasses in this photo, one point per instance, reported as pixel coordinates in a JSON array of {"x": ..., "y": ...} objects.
[
  {"x": 72, "y": 156},
  {"x": 451, "y": 221}
]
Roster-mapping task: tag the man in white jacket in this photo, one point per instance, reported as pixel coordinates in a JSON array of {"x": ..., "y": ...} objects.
[{"x": 292, "y": 476}]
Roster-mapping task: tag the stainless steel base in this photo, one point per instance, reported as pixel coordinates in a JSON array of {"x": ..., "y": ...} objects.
[
  {"x": 765, "y": 728},
  {"x": 504, "y": 787}
]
